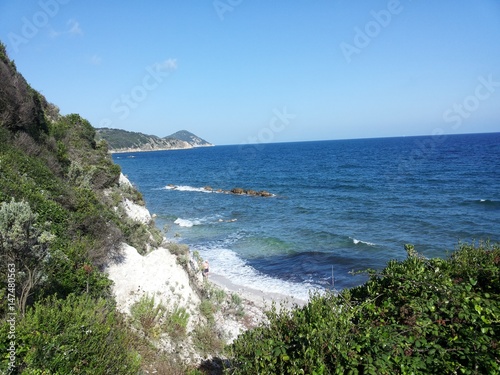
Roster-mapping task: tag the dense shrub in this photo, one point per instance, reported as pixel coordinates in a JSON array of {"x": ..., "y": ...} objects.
[
  {"x": 71, "y": 271},
  {"x": 147, "y": 314},
  {"x": 418, "y": 316},
  {"x": 208, "y": 340},
  {"x": 176, "y": 322},
  {"x": 77, "y": 335},
  {"x": 24, "y": 245},
  {"x": 21, "y": 107},
  {"x": 154, "y": 318}
]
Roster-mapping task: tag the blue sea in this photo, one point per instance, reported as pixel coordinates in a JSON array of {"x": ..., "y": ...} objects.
[{"x": 338, "y": 207}]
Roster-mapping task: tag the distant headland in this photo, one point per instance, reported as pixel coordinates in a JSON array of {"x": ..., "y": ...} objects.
[{"x": 126, "y": 141}]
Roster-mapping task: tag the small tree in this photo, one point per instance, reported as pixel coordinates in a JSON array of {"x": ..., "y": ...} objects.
[{"x": 24, "y": 244}]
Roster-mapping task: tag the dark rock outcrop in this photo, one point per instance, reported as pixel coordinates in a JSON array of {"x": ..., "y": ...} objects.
[{"x": 234, "y": 191}]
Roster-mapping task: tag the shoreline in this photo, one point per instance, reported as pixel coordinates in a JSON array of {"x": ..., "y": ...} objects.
[
  {"x": 122, "y": 151},
  {"x": 259, "y": 298}
]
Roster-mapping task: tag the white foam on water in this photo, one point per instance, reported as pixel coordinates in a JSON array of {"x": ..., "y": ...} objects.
[
  {"x": 188, "y": 223},
  {"x": 187, "y": 188},
  {"x": 184, "y": 223},
  {"x": 356, "y": 241},
  {"x": 227, "y": 263}
]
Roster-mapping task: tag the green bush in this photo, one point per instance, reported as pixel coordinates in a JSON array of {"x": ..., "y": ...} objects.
[
  {"x": 146, "y": 315},
  {"x": 418, "y": 316},
  {"x": 236, "y": 299},
  {"x": 176, "y": 323},
  {"x": 177, "y": 248},
  {"x": 139, "y": 235},
  {"x": 76, "y": 335},
  {"x": 236, "y": 306},
  {"x": 219, "y": 295},
  {"x": 70, "y": 269},
  {"x": 207, "y": 309},
  {"x": 24, "y": 245},
  {"x": 207, "y": 340}
]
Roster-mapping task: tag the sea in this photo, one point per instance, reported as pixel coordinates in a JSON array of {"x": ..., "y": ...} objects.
[{"x": 338, "y": 208}]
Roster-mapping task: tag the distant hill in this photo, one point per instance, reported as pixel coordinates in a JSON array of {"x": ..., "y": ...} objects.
[
  {"x": 126, "y": 141},
  {"x": 190, "y": 138}
]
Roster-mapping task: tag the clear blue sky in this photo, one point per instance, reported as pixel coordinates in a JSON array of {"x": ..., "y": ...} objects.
[{"x": 237, "y": 71}]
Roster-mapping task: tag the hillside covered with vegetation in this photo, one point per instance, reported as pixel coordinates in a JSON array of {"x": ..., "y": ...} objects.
[
  {"x": 122, "y": 140},
  {"x": 64, "y": 218},
  {"x": 418, "y": 316},
  {"x": 59, "y": 225}
]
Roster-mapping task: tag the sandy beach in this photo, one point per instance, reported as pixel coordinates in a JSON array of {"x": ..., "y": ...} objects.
[{"x": 261, "y": 299}]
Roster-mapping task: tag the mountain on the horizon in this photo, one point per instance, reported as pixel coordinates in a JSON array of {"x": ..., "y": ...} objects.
[
  {"x": 190, "y": 138},
  {"x": 126, "y": 141}
]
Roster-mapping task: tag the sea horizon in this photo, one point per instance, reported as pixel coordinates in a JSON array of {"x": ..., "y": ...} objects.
[{"x": 440, "y": 135}]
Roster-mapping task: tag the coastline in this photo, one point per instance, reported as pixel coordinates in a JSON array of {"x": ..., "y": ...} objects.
[
  {"x": 263, "y": 300},
  {"x": 124, "y": 151}
]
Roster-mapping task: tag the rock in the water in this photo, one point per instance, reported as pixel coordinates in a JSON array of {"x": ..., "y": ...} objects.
[
  {"x": 264, "y": 193},
  {"x": 236, "y": 191}
]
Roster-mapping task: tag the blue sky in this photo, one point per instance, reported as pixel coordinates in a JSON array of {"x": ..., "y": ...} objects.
[{"x": 241, "y": 71}]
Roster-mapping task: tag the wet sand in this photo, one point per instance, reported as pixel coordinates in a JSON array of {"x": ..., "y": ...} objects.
[{"x": 260, "y": 298}]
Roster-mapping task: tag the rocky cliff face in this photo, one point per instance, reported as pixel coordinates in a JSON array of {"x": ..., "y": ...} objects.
[{"x": 176, "y": 283}]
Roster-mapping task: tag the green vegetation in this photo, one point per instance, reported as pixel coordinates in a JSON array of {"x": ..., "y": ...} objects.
[
  {"x": 154, "y": 319},
  {"x": 25, "y": 245},
  {"x": 207, "y": 340},
  {"x": 146, "y": 315},
  {"x": 207, "y": 309},
  {"x": 77, "y": 334},
  {"x": 176, "y": 322},
  {"x": 58, "y": 227},
  {"x": 188, "y": 137},
  {"x": 119, "y": 140},
  {"x": 418, "y": 316}
]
